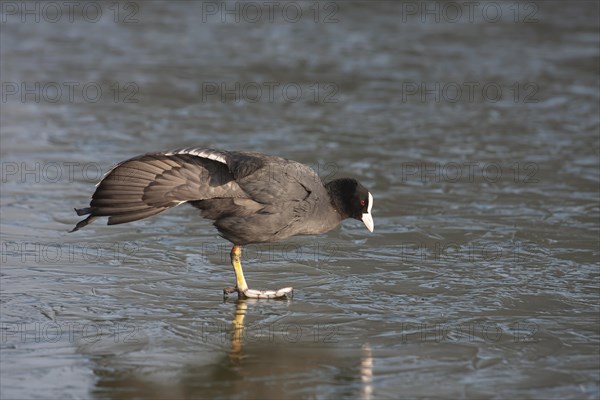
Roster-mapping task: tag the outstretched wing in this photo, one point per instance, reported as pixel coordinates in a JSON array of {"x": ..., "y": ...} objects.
[{"x": 149, "y": 184}]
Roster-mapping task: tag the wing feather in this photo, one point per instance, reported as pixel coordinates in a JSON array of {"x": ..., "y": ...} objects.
[{"x": 149, "y": 184}]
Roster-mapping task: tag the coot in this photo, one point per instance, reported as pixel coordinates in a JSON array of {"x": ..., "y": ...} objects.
[{"x": 252, "y": 197}]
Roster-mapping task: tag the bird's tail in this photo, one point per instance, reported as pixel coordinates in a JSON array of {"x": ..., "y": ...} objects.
[
  {"x": 129, "y": 192},
  {"x": 84, "y": 222}
]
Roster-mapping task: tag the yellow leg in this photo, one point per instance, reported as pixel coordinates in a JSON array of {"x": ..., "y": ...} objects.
[
  {"x": 236, "y": 256},
  {"x": 242, "y": 287}
]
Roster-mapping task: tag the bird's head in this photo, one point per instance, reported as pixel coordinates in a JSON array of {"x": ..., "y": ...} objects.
[{"x": 352, "y": 200}]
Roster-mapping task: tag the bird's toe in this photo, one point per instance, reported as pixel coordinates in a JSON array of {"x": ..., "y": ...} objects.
[{"x": 268, "y": 294}]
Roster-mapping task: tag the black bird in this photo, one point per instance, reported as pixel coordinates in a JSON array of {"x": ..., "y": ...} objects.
[{"x": 252, "y": 197}]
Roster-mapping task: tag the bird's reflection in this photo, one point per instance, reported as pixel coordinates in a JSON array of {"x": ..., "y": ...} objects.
[
  {"x": 237, "y": 330},
  {"x": 249, "y": 363},
  {"x": 366, "y": 372},
  {"x": 238, "y": 327},
  {"x": 236, "y": 354}
]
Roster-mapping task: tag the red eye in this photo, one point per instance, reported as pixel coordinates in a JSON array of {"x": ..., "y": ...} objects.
[{"x": 362, "y": 203}]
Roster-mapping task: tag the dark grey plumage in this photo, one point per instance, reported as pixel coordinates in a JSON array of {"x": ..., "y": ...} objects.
[{"x": 251, "y": 197}]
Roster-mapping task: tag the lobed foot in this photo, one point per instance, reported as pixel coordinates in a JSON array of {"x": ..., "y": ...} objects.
[
  {"x": 284, "y": 293},
  {"x": 228, "y": 290}
]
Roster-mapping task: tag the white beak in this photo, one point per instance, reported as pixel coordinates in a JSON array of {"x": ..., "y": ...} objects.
[{"x": 367, "y": 218}]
